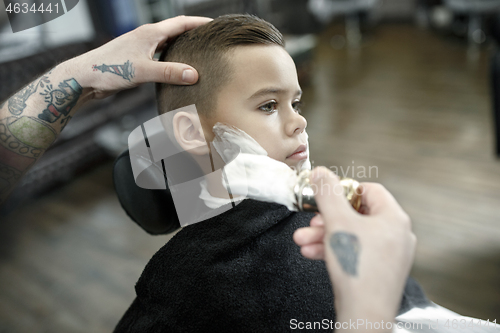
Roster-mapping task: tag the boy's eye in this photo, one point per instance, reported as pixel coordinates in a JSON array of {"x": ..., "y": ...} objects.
[
  {"x": 269, "y": 107},
  {"x": 297, "y": 106}
]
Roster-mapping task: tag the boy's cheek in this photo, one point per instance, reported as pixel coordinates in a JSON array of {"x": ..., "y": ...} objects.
[{"x": 207, "y": 129}]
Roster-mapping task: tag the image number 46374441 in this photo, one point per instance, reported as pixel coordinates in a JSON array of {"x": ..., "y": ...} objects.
[{"x": 25, "y": 14}]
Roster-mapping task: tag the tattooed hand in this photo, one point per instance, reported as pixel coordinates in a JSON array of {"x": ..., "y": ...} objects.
[
  {"x": 368, "y": 256},
  {"x": 127, "y": 61},
  {"x": 31, "y": 119}
]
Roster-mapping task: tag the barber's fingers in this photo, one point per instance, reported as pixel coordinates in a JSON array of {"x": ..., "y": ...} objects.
[
  {"x": 310, "y": 240},
  {"x": 377, "y": 200},
  {"x": 314, "y": 251},
  {"x": 309, "y": 235},
  {"x": 166, "y": 29},
  {"x": 317, "y": 221},
  {"x": 329, "y": 195},
  {"x": 166, "y": 72}
]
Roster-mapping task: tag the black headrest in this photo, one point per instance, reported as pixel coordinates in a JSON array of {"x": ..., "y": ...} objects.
[{"x": 153, "y": 210}]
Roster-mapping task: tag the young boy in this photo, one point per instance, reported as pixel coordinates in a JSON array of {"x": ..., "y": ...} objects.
[{"x": 239, "y": 271}]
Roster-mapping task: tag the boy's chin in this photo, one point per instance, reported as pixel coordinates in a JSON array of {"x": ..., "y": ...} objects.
[{"x": 299, "y": 165}]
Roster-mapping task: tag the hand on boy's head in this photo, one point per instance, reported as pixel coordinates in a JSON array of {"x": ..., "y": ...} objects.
[
  {"x": 249, "y": 81},
  {"x": 133, "y": 53}
]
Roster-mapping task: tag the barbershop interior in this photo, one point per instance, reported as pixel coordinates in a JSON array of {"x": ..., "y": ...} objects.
[{"x": 405, "y": 93}]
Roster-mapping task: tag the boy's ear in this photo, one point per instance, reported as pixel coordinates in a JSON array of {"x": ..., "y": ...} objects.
[{"x": 189, "y": 133}]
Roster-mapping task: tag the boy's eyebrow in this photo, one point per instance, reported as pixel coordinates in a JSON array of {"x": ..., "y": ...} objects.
[{"x": 272, "y": 91}]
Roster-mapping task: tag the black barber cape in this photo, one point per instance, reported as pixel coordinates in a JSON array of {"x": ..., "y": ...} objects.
[{"x": 237, "y": 272}]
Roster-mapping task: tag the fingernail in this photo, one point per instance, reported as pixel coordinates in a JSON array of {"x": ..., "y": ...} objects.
[{"x": 188, "y": 76}]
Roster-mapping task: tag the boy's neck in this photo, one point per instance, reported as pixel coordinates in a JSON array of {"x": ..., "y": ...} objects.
[
  {"x": 214, "y": 185},
  {"x": 214, "y": 178}
]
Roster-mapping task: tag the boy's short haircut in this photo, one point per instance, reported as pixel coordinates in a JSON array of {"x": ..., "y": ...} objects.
[{"x": 206, "y": 48}]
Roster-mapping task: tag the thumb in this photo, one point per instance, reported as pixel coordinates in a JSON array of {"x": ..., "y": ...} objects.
[
  {"x": 329, "y": 195},
  {"x": 168, "y": 72}
]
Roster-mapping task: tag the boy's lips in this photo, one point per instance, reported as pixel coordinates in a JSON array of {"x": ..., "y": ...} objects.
[{"x": 300, "y": 153}]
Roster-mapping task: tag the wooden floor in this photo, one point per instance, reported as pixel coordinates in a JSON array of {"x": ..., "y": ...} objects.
[
  {"x": 408, "y": 104},
  {"x": 69, "y": 261}
]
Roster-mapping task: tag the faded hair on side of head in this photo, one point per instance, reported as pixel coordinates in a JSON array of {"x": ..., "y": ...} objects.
[{"x": 206, "y": 48}]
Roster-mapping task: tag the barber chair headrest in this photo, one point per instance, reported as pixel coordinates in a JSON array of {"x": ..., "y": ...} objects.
[{"x": 153, "y": 210}]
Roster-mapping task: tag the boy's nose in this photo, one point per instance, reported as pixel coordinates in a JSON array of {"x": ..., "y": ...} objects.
[{"x": 296, "y": 125}]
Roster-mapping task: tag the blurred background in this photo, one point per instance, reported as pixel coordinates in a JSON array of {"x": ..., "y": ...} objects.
[{"x": 406, "y": 89}]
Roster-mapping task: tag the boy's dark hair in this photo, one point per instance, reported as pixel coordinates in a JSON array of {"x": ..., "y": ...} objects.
[{"x": 206, "y": 49}]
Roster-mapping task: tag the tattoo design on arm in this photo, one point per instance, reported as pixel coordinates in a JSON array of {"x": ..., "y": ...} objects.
[
  {"x": 17, "y": 103},
  {"x": 23, "y": 138},
  {"x": 22, "y": 141},
  {"x": 346, "y": 248},
  {"x": 126, "y": 71},
  {"x": 60, "y": 101}
]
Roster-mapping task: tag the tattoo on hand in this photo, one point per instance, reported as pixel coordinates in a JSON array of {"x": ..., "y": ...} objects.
[
  {"x": 346, "y": 248},
  {"x": 127, "y": 70},
  {"x": 60, "y": 101}
]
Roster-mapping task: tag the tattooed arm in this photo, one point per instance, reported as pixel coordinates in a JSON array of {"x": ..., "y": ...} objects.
[
  {"x": 368, "y": 256},
  {"x": 31, "y": 119}
]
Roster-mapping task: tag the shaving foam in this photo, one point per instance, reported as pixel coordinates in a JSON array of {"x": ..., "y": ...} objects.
[
  {"x": 250, "y": 172},
  {"x": 230, "y": 140}
]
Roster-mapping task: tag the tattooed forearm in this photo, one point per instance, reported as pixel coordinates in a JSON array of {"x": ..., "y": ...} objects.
[
  {"x": 17, "y": 103},
  {"x": 15, "y": 156},
  {"x": 22, "y": 141},
  {"x": 60, "y": 101},
  {"x": 26, "y": 136},
  {"x": 346, "y": 248},
  {"x": 32, "y": 125},
  {"x": 126, "y": 70}
]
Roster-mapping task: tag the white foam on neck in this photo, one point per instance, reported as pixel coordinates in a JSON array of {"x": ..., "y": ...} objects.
[{"x": 250, "y": 172}]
